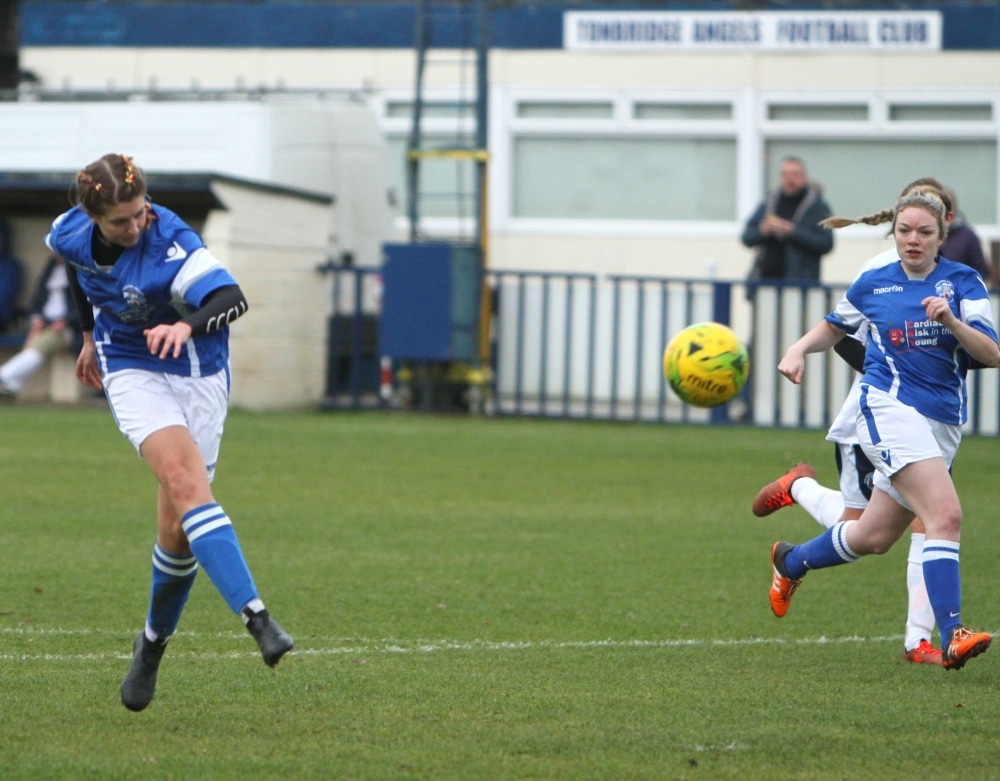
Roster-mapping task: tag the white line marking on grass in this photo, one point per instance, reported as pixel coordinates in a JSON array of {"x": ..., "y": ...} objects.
[{"x": 337, "y": 646}]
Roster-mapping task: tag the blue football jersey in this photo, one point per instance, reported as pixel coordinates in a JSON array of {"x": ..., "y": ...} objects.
[
  {"x": 164, "y": 277},
  {"x": 911, "y": 358}
]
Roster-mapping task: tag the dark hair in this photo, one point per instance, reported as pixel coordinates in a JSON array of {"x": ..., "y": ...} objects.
[{"x": 106, "y": 182}]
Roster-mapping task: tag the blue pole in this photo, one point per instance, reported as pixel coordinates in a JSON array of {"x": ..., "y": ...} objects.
[{"x": 722, "y": 294}]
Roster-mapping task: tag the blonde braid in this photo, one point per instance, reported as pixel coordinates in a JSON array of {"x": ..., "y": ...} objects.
[{"x": 886, "y": 215}]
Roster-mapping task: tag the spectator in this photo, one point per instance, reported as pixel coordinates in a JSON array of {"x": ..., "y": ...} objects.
[
  {"x": 54, "y": 326},
  {"x": 962, "y": 244},
  {"x": 785, "y": 228},
  {"x": 10, "y": 279}
]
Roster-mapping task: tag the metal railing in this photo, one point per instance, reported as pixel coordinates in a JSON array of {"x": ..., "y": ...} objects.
[
  {"x": 579, "y": 345},
  {"x": 585, "y": 346}
]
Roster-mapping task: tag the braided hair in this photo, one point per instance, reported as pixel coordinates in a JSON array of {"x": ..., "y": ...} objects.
[
  {"x": 926, "y": 184},
  {"x": 106, "y": 182}
]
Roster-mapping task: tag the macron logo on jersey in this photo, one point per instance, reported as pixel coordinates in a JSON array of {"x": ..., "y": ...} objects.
[
  {"x": 888, "y": 289},
  {"x": 175, "y": 253}
]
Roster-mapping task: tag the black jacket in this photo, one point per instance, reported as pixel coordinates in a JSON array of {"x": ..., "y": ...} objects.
[{"x": 805, "y": 247}]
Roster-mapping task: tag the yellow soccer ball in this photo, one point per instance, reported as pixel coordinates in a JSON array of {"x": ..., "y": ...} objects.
[{"x": 706, "y": 364}]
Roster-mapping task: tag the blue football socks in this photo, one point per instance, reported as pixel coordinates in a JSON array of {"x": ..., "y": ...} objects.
[
  {"x": 828, "y": 550},
  {"x": 173, "y": 576},
  {"x": 213, "y": 542},
  {"x": 944, "y": 585}
]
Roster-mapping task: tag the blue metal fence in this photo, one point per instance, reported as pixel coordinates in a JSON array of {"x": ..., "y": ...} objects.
[
  {"x": 586, "y": 346},
  {"x": 352, "y": 368}
]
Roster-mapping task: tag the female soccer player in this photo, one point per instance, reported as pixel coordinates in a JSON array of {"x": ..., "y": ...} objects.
[
  {"x": 155, "y": 308},
  {"x": 926, "y": 317},
  {"x": 799, "y": 485}
]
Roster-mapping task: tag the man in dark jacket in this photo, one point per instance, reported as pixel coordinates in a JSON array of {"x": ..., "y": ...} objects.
[{"x": 785, "y": 228}]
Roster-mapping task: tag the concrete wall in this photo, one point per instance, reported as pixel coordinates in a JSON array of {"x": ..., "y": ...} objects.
[{"x": 272, "y": 244}]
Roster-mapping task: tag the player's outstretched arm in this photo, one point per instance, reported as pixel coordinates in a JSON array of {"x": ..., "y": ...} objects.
[{"x": 819, "y": 338}]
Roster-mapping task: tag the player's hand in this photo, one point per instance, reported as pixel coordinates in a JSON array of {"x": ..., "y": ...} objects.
[
  {"x": 939, "y": 310},
  {"x": 167, "y": 340},
  {"x": 86, "y": 364},
  {"x": 792, "y": 365}
]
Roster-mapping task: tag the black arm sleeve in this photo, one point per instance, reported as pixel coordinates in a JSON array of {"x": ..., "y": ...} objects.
[
  {"x": 852, "y": 351},
  {"x": 83, "y": 308},
  {"x": 219, "y": 309}
]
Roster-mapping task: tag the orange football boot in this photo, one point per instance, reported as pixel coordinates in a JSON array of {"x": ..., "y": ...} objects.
[{"x": 776, "y": 495}]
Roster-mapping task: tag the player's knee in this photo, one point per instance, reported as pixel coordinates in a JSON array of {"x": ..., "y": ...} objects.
[
  {"x": 182, "y": 485},
  {"x": 879, "y": 546},
  {"x": 945, "y": 525}
]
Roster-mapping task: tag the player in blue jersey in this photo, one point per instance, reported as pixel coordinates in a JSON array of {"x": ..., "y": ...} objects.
[
  {"x": 856, "y": 472},
  {"x": 155, "y": 308},
  {"x": 926, "y": 318}
]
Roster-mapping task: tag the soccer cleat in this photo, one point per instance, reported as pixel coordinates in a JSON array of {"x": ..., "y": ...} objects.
[
  {"x": 776, "y": 495},
  {"x": 274, "y": 641},
  {"x": 782, "y": 586},
  {"x": 924, "y": 653},
  {"x": 962, "y": 645},
  {"x": 139, "y": 685}
]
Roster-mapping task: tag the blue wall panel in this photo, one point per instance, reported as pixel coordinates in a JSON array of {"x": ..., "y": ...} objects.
[{"x": 315, "y": 24}]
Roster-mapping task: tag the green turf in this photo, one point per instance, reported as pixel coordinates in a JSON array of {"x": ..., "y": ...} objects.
[{"x": 475, "y": 599}]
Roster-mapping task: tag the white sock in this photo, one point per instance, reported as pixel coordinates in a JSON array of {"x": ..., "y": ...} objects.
[
  {"x": 252, "y": 607},
  {"x": 919, "y": 614},
  {"x": 823, "y": 504},
  {"x": 18, "y": 369}
]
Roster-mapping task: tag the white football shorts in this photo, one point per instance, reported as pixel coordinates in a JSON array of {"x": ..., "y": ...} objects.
[
  {"x": 894, "y": 434},
  {"x": 144, "y": 402},
  {"x": 856, "y": 475}
]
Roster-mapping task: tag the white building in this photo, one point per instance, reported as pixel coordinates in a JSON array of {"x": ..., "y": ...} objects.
[
  {"x": 638, "y": 158},
  {"x": 621, "y": 152}
]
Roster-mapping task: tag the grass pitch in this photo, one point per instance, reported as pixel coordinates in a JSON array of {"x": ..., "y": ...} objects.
[{"x": 475, "y": 599}]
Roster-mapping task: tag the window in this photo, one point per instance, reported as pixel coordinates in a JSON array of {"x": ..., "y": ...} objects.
[
  {"x": 431, "y": 109},
  {"x": 447, "y": 186},
  {"x": 817, "y": 112},
  {"x": 916, "y": 112},
  {"x": 674, "y": 157},
  {"x": 560, "y": 110},
  {"x": 615, "y": 178},
  {"x": 681, "y": 111},
  {"x": 863, "y": 176}
]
